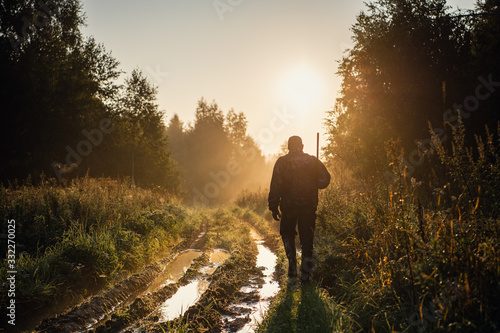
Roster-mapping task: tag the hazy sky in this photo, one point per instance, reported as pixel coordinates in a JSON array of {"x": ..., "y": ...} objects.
[{"x": 274, "y": 60}]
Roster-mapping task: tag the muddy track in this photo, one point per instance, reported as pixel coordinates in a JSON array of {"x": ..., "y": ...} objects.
[
  {"x": 145, "y": 305},
  {"x": 238, "y": 291},
  {"x": 133, "y": 305},
  {"x": 206, "y": 314},
  {"x": 91, "y": 311}
]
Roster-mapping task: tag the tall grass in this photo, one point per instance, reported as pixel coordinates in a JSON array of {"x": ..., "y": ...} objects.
[
  {"x": 256, "y": 201},
  {"x": 86, "y": 234},
  {"x": 400, "y": 266}
]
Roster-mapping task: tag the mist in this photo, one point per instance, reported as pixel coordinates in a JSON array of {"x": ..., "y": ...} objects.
[{"x": 216, "y": 157}]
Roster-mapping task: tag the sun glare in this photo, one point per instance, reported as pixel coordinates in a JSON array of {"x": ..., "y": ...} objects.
[{"x": 302, "y": 89}]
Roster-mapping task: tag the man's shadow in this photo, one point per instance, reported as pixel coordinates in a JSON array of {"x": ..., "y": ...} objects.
[{"x": 302, "y": 309}]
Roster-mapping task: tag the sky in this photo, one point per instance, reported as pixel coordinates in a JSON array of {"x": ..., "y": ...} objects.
[{"x": 273, "y": 60}]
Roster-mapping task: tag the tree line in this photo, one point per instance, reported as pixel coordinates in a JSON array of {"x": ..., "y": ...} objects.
[
  {"x": 217, "y": 157},
  {"x": 416, "y": 67},
  {"x": 64, "y": 115}
]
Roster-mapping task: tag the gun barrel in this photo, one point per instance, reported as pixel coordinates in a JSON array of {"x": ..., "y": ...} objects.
[{"x": 317, "y": 145}]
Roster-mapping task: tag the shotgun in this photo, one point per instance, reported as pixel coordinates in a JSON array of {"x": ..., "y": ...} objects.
[{"x": 317, "y": 146}]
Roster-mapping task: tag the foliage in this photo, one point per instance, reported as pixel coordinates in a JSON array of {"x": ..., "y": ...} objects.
[
  {"x": 256, "y": 201},
  {"x": 87, "y": 234},
  {"x": 474, "y": 174},
  {"x": 141, "y": 143},
  {"x": 54, "y": 84},
  {"x": 398, "y": 265},
  {"x": 217, "y": 157},
  {"x": 411, "y": 61},
  {"x": 59, "y": 88}
]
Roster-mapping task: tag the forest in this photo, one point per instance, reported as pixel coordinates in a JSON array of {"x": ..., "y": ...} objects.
[{"x": 102, "y": 185}]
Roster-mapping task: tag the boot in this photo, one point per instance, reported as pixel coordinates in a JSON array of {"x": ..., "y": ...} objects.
[
  {"x": 292, "y": 257},
  {"x": 306, "y": 269},
  {"x": 292, "y": 268}
]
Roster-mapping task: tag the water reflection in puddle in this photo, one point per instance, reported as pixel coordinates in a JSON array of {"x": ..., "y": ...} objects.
[
  {"x": 174, "y": 270},
  {"x": 182, "y": 300},
  {"x": 265, "y": 288},
  {"x": 189, "y": 294},
  {"x": 177, "y": 267},
  {"x": 217, "y": 258},
  {"x": 269, "y": 288}
]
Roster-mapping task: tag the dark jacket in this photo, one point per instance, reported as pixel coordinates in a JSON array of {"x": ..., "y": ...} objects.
[{"x": 296, "y": 179}]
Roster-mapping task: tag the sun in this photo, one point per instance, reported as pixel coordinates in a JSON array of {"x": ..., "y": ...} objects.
[{"x": 302, "y": 89}]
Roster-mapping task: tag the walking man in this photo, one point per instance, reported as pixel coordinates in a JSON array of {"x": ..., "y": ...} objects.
[{"x": 294, "y": 190}]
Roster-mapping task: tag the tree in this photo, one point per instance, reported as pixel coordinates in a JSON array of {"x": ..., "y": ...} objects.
[
  {"x": 54, "y": 85},
  {"x": 208, "y": 149},
  {"x": 177, "y": 139},
  {"x": 405, "y": 53},
  {"x": 236, "y": 127},
  {"x": 253, "y": 170},
  {"x": 215, "y": 155},
  {"x": 142, "y": 135},
  {"x": 486, "y": 51}
]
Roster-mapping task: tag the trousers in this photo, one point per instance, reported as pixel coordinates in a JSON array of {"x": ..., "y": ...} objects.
[{"x": 305, "y": 219}]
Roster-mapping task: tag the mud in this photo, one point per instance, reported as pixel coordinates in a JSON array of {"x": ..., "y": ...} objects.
[
  {"x": 91, "y": 312},
  {"x": 173, "y": 299},
  {"x": 211, "y": 292},
  {"x": 254, "y": 298}
]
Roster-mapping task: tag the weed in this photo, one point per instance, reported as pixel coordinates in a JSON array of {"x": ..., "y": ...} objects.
[
  {"x": 400, "y": 266},
  {"x": 85, "y": 235}
]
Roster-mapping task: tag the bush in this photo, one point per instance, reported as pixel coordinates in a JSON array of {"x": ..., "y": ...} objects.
[
  {"x": 81, "y": 236},
  {"x": 401, "y": 266}
]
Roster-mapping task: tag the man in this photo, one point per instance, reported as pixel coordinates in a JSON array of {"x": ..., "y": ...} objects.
[{"x": 294, "y": 189}]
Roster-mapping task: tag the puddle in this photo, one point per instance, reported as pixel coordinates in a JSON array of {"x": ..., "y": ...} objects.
[
  {"x": 178, "y": 266},
  {"x": 217, "y": 258},
  {"x": 256, "y": 307},
  {"x": 189, "y": 294},
  {"x": 182, "y": 300},
  {"x": 174, "y": 270}
]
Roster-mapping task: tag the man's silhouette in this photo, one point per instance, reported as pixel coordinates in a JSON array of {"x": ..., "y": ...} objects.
[{"x": 294, "y": 190}]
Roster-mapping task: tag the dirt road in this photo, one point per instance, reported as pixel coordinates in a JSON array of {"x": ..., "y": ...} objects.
[{"x": 197, "y": 286}]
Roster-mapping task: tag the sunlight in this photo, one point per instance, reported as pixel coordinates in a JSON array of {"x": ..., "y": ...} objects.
[{"x": 302, "y": 88}]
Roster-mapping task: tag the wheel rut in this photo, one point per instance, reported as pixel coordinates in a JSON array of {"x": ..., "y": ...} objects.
[{"x": 207, "y": 291}]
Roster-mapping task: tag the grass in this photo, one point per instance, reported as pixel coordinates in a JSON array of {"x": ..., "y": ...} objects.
[
  {"x": 378, "y": 264},
  {"x": 304, "y": 309},
  {"x": 409, "y": 257},
  {"x": 399, "y": 265},
  {"x": 79, "y": 238}
]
